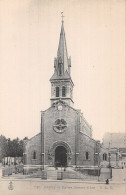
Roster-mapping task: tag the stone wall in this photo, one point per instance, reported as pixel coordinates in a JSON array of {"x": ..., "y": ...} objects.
[
  {"x": 87, "y": 144},
  {"x": 51, "y": 136},
  {"x": 33, "y": 145},
  {"x": 77, "y": 143},
  {"x": 84, "y": 126}
]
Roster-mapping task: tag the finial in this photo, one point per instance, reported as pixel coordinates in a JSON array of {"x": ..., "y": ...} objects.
[{"x": 62, "y": 16}]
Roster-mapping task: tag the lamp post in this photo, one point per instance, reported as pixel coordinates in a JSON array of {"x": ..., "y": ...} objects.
[
  {"x": 109, "y": 155},
  {"x": 98, "y": 157},
  {"x": 98, "y": 165},
  {"x": 117, "y": 158},
  {"x": 109, "y": 159}
]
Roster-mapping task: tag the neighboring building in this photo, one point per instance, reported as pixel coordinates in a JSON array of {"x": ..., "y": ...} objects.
[
  {"x": 12, "y": 161},
  {"x": 115, "y": 142},
  {"x": 66, "y": 137},
  {"x": 122, "y": 157}
]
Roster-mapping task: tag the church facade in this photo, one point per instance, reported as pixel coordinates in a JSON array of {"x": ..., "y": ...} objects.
[{"x": 65, "y": 138}]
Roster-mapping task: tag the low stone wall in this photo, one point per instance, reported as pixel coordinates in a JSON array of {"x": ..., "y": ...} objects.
[
  {"x": 9, "y": 170},
  {"x": 89, "y": 171},
  {"x": 31, "y": 169},
  {"x": 106, "y": 173}
]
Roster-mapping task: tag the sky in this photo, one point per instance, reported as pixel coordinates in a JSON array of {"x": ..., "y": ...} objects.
[{"x": 29, "y": 36}]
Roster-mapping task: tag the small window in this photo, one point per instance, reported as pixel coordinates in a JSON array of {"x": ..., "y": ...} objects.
[
  {"x": 104, "y": 156},
  {"x": 87, "y": 155},
  {"x": 34, "y": 155},
  {"x": 60, "y": 69},
  {"x": 57, "y": 91},
  {"x": 63, "y": 91}
]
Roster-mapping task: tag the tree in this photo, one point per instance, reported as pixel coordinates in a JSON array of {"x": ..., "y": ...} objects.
[
  {"x": 3, "y": 147},
  {"x": 12, "y": 148}
]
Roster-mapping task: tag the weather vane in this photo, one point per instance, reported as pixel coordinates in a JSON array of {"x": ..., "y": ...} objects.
[{"x": 62, "y": 16}]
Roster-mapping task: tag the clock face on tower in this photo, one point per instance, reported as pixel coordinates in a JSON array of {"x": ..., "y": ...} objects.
[
  {"x": 60, "y": 107},
  {"x": 60, "y": 125}
]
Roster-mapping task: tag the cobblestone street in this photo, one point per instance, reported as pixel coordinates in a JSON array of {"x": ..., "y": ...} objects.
[
  {"x": 22, "y": 187},
  {"x": 13, "y": 185}
]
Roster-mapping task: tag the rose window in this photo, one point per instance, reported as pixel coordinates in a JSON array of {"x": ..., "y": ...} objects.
[{"x": 60, "y": 125}]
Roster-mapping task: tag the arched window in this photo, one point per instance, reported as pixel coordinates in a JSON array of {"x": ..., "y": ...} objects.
[
  {"x": 104, "y": 156},
  {"x": 87, "y": 155},
  {"x": 57, "y": 91},
  {"x": 63, "y": 91},
  {"x": 34, "y": 155}
]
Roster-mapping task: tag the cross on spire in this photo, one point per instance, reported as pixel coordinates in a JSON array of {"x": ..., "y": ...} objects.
[{"x": 62, "y": 16}]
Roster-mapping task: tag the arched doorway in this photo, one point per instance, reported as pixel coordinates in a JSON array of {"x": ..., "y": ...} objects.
[
  {"x": 54, "y": 151},
  {"x": 60, "y": 156}
]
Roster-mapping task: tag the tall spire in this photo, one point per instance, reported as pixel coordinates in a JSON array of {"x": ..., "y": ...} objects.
[
  {"x": 62, "y": 55},
  {"x": 61, "y": 82}
]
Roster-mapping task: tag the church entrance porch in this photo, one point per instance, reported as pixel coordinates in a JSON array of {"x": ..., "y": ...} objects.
[{"x": 60, "y": 156}]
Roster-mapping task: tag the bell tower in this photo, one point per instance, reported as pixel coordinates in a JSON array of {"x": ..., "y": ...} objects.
[{"x": 61, "y": 82}]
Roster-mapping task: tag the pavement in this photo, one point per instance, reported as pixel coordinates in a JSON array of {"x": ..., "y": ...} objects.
[
  {"x": 121, "y": 179},
  {"x": 18, "y": 184},
  {"x": 37, "y": 187}
]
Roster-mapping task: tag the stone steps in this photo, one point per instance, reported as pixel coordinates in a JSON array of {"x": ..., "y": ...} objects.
[
  {"x": 36, "y": 174},
  {"x": 52, "y": 174}
]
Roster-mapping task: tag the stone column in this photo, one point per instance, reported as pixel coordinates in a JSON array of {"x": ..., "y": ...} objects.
[
  {"x": 42, "y": 141},
  {"x": 77, "y": 129}
]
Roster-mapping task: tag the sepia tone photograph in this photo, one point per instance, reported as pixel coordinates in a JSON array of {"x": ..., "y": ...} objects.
[{"x": 62, "y": 97}]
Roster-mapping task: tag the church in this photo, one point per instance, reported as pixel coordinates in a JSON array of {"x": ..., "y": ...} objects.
[{"x": 65, "y": 138}]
